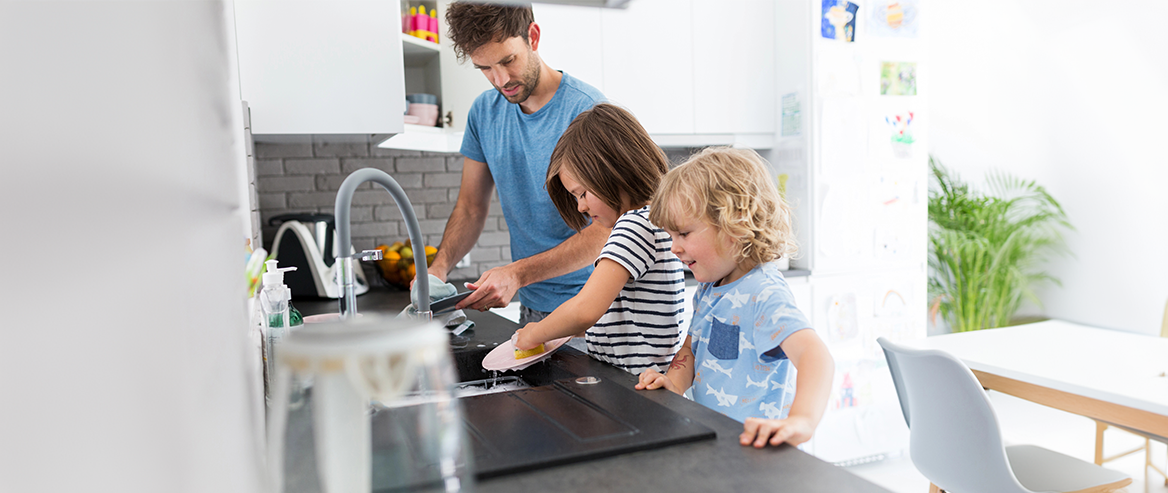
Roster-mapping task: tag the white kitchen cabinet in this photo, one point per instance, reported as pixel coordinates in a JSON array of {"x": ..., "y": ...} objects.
[
  {"x": 690, "y": 80},
  {"x": 734, "y": 67},
  {"x": 321, "y": 67},
  {"x": 647, "y": 55},
  {"x": 569, "y": 41},
  {"x": 434, "y": 69}
]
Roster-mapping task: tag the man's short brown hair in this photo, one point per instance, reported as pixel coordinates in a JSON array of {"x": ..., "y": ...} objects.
[{"x": 473, "y": 25}]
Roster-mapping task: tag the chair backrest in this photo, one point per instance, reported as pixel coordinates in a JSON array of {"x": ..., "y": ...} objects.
[{"x": 954, "y": 438}]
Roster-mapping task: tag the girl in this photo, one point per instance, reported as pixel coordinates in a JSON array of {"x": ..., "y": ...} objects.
[
  {"x": 604, "y": 169},
  {"x": 728, "y": 224}
]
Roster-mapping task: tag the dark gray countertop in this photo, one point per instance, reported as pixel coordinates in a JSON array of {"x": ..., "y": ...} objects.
[{"x": 711, "y": 465}]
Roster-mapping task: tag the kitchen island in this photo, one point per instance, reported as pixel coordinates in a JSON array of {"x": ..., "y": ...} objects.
[{"x": 718, "y": 464}]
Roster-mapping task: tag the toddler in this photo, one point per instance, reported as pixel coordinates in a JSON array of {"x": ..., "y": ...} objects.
[
  {"x": 729, "y": 224},
  {"x": 604, "y": 169}
]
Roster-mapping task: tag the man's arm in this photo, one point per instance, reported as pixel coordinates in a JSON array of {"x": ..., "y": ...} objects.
[
  {"x": 497, "y": 286},
  {"x": 467, "y": 219}
]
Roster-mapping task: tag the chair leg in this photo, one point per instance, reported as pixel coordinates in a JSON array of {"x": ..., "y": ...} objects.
[
  {"x": 934, "y": 489},
  {"x": 1099, "y": 429}
]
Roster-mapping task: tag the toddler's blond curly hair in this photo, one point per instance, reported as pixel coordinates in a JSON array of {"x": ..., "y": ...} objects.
[{"x": 732, "y": 190}]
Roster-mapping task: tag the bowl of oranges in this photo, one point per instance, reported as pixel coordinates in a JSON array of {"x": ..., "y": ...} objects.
[{"x": 397, "y": 262}]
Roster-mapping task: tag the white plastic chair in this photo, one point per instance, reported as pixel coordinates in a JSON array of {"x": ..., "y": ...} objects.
[{"x": 955, "y": 440}]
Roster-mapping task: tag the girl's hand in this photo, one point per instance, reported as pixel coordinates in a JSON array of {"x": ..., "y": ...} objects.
[
  {"x": 793, "y": 430},
  {"x": 527, "y": 337},
  {"x": 651, "y": 379}
]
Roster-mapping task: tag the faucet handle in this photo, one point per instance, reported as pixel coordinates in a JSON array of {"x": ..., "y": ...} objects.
[{"x": 369, "y": 255}]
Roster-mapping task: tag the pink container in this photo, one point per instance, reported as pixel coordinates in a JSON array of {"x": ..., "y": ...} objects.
[{"x": 426, "y": 113}]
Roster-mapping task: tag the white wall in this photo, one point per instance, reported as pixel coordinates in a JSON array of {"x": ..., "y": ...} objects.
[
  {"x": 123, "y": 350},
  {"x": 1073, "y": 94}
]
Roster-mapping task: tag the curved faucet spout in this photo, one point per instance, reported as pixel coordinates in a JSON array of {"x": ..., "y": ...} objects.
[{"x": 344, "y": 240}]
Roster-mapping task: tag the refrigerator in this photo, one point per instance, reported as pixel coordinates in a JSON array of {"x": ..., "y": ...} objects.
[{"x": 851, "y": 158}]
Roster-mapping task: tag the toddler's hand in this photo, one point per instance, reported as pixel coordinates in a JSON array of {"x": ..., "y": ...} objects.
[
  {"x": 525, "y": 338},
  {"x": 651, "y": 379},
  {"x": 793, "y": 430}
]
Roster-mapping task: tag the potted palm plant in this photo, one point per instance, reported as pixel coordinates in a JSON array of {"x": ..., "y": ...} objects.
[{"x": 987, "y": 249}]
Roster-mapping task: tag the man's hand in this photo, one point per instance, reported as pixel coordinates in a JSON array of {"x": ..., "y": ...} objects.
[
  {"x": 650, "y": 379},
  {"x": 793, "y": 430},
  {"x": 528, "y": 337},
  {"x": 493, "y": 290}
]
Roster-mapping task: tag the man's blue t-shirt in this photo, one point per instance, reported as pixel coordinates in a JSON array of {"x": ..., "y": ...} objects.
[
  {"x": 735, "y": 335},
  {"x": 518, "y": 148}
]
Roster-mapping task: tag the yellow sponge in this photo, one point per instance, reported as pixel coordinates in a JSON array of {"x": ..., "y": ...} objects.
[{"x": 520, "y": 354}]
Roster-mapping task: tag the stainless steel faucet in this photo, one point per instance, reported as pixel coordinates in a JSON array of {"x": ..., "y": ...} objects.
[{"x": 345, "y": 245}]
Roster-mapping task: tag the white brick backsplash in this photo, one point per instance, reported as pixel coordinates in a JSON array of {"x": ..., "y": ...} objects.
[
  {"x": 426, "y": 196},
  {"x": 340, "y": 149},
  {"x": 298, "y": 201},
  {"x": 443, "y": 180},
  {"x": 452, "y": 195},
  {"x": 486, "y": 254},
  {"x": 420, "y": 164},
  {"x": 505, "y": 252},
  {"x": 502, "y": 224},
  {"x": 349, "y": 165},
  {"x": 373, "y": 229},
  {"x": 408, "y": 180},
  {"x": 439, "y": 211},
  {"x": 454, "y": 163},
  {"x": 432, "y": 226},
  {"x": 285, "y": 184},
  {"x": 269, "y": 167},
  {"x": 273, "y": 201},
  {"x": 378, "y": 151},
  {"x": 311, "y": 166},
  {"x": 265, "y": 150},
  {"x": 333, "y": 183},
  {"x": 494, "y": 239}
]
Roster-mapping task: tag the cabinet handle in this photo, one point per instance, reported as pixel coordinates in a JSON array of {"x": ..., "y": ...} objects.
[{"x": 449, "y": 120}]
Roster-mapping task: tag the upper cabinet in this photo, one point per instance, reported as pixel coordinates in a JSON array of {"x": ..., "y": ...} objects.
[
  {"x": 431, "y": 68},
  {"x": 690, "y": 79},
  {"x": 321, "y": 67}
]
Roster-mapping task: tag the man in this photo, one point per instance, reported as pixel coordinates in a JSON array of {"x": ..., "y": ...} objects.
[{"x": 509, "y": 138}]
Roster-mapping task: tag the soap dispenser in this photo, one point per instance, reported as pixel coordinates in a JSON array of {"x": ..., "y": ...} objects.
[{"x": 274, "y": 310}]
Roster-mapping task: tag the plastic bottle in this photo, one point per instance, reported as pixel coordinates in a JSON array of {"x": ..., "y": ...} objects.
[
  {"x": 432, "y": 35},
  {"x": 274, "y": 297},
  {"x": 421, "y": 23},
  {"x": 413, "y": 22}
]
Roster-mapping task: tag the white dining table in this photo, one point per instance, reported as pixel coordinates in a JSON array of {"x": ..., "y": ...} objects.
[{"x": 1108, "y": 375}]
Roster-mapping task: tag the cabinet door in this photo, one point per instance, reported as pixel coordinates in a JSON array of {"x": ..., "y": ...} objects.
[
  {"x": 570, "y": 41},
  {"x": 321, "y": 67},
  {"x": 734, "y": 67},
  {"x": 647, "y": 52},
  {"x": 461, "y": 83}
]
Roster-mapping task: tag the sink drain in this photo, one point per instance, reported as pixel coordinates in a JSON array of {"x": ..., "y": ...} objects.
[{"x": 587, "y": 380}]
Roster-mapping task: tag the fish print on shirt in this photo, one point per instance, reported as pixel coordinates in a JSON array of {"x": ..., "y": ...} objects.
[
  {"x": 751, "y": 383},
  {"x": 785, "y": 311},
  {"x": 738, "y": 300},
  {"x": 770, "y": 410},
  {"x": 713, "y": 365},
  {"x": 777, "y": 385},
  {"x": 743, "y": 344},
  {"x": 724, "y": 399}
]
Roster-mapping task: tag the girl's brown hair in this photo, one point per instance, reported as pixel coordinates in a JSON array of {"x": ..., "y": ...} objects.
[
  {"x": 473, "y": 25},
  {"x": 608, "y": 152},
  {"x": 732, "y": 190}
]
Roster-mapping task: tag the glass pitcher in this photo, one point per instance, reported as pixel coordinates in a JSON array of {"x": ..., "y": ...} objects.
[{"x": 367, "y": 404}]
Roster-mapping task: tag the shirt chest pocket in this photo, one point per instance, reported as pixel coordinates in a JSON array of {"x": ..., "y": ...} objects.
[{"x": 723, "y": 340}]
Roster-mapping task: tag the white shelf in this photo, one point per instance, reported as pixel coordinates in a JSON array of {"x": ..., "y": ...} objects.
[
  {"x": 421, "y": 138},
  {"x": 417, "y": 51}
]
